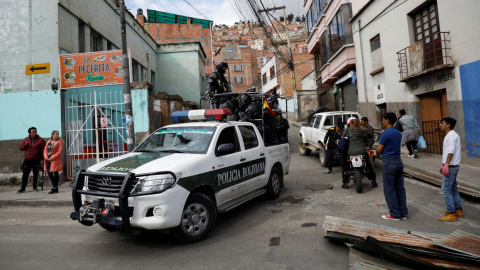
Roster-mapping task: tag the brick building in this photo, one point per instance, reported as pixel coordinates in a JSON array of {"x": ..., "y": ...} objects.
[
  {"x": 242, "y": 62},
  {"x": 166, "y": 27}
]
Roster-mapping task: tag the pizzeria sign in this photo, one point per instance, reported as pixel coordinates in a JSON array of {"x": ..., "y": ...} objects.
[{"x": 92, "y": 69}]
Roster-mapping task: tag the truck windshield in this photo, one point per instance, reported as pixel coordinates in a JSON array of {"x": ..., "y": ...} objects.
[{"x": 192, "y": 139}]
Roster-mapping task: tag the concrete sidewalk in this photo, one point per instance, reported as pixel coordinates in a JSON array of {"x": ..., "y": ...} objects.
[
  {"x": 429, "y": 164},
  {"x": 9, "y": 196}
]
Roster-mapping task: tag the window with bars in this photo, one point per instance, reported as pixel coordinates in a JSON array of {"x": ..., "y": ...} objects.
[
  {"x": 237, "y": 68},
  {"x": 264, "y": 78},
  {"x": 238, "y": 79},
  {"x": 426, "y": 29},
  {"x": 272, "y": 72},
  {"x": 375, "y": 43}
]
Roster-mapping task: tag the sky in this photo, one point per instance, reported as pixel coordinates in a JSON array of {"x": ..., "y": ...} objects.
[{"x": 220, "y": 11}]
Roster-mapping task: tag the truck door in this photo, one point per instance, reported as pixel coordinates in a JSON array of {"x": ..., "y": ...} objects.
[
  {"x": 254, "y": 152},
  {"x": 319, "y": 132},
  {"x": 308, "y": 129},
  {"x": 228, "y": 167}
]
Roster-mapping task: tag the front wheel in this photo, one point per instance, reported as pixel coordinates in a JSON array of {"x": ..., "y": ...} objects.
[
  {"x": 322, "y": 156},
  {"x": 198, "y": 218},
  {"x": 302, "y": 149},
  {"x": 274, "y": 182},
  {"x": 358, "y": 179}
]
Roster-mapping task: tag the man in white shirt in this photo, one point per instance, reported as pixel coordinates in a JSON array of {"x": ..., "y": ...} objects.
[{"x": 451, "y": 165}]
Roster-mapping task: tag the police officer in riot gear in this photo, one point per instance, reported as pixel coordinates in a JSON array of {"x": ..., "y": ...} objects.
[
  {"x": 234, "y": 105},
  {"x": 251, "y": 110},
  {"x": 282, "y": 127},
  {"x": 217, "y": 84}
]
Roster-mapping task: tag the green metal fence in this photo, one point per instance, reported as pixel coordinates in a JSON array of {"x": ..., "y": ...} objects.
[{"x": 164, "y": 17}]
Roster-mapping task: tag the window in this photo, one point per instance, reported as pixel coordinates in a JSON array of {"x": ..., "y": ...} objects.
[
  {"x": 311, "y": 122},
  {"x": 81, "y": 36},
  {"x": 152, "y": 80},
  {"x": 238, "y": 79},
  {"x": 208, "y": 61},
  {"x": 317, "y": 122},
  {"x": 135, "y": 70},
  {"x": 336, "y": 30},
  {"x": 237, "y": 68},
  {"x": 323, "y": 100},
  {"x": 310, "y": 21},
  {"x": 375, "y": 43},
  {"x": 337, "y": 118},
  {"x": 214, "y": 61},
  {"x": 426, "y": 25},
  {"x": 328, "y": 122},
  {"x": 206, "y": 42},
  {"x": 345, "y": 117},
  {"x": 109, "y": 46},
  {"x": 272, "y": 72},
  {"x": 323, "y": 49},
  {"x": 230, "y": 49},
  {"x": 264, "y": 78},
  {"x": 319, "y": 9},
  {"x": 249, "y": 137},
  {"x": 96, "y": 44},
  {"x": 228, "y": 135}
]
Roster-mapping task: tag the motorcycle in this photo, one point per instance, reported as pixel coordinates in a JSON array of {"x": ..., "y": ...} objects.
[{"x": 358, "y": 168}]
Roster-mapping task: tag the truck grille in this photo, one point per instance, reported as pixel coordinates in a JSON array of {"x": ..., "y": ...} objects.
[{"x": 99, "y": 184}]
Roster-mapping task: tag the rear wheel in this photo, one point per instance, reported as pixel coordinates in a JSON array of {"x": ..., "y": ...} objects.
[
  {"x": 302, "y": 149},
  {"x": 198, "y": 219},
  {"x": 322, "y": 156},
  {"x": 358, "y": 179},
  {"x": 274, "y": 182}
]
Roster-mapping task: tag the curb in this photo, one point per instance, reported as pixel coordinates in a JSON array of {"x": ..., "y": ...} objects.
[
  {"x": 437, "y": 175},
  {"x": 36, "y": 203}
]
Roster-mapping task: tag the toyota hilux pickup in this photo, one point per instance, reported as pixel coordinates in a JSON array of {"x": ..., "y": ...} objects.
[
  {"x": 312, "y": 134},
  {"x": 181, "y": 176}
]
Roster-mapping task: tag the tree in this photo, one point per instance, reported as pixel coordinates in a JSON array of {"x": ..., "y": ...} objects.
[
  {"x": 298, "y": 19},
  {"x": 290, "y": 17},
  {"x": 281, "y": 18}
]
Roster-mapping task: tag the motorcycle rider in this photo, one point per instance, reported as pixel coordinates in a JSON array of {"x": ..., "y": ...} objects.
[
  {"x": 330, "y": 143},
  {"x": 217, "y": 84},
  {"x": 358, "y": 145}
]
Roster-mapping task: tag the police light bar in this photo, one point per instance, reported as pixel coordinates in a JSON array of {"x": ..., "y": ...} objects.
[{"x": 208, "y": 114}]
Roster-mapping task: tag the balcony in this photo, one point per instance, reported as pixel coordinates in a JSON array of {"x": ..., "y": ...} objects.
[{"x": 425, "y": 57}]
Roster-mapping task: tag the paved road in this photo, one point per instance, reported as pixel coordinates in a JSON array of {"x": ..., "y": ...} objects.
[{"x": 45, "y": 238}]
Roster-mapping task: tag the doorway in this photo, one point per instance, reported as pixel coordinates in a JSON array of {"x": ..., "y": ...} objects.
[{"x": 433, "y": 107}]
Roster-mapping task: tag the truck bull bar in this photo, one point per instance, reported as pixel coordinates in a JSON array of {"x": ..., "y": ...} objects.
[{"x": 122, "y": 196}]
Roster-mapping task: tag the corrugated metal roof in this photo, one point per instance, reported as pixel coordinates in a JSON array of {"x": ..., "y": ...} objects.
[
  {"x": 461, "y": 241},
  {"x": 361, "y": 260}
]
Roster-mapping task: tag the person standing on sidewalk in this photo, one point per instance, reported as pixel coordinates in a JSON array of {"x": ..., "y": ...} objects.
[
  {"x": 369, "y": 130},
  {"x": 53, "y": 159},
  {"x": 410, "y": 134},
  {"x": 33, "y": 146},
  {"x": 451, "y": 164},
  {"x": 392, "y": 169},
  {"x": 330, "y": 143}
]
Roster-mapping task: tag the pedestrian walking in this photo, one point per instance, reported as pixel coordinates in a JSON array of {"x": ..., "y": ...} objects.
[
  {"x": 52, "y": 154},
  {"x": 330, "y": 143},
  {"x": 33, "y": 146},
  {"x": 392, "y": 169},
  {"x": 410, "y": 134},
  {"x": 451, "y": 165}
]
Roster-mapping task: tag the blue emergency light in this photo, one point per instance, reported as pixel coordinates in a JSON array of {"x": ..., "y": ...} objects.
[{"x": 208, "y": 114}]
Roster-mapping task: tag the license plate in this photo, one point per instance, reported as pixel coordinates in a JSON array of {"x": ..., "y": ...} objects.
[{"x": 356, "y": 161}]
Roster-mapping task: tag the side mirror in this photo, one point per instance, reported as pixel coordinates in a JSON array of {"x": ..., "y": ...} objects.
[{"x": 225, "y": 149}]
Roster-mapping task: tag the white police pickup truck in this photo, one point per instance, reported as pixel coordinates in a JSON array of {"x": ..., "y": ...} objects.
[
  {"x": 180, "y": 177},
  {"x": 313, "y": 133}
]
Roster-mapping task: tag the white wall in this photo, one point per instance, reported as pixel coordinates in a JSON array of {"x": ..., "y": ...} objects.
[{"x": 270, "y": 82}]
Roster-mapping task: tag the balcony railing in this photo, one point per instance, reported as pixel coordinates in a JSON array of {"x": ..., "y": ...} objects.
[{"x": 426, "y": 56}]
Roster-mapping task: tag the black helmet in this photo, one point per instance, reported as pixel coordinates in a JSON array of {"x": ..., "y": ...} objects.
[{"x": 245, "y": 100}]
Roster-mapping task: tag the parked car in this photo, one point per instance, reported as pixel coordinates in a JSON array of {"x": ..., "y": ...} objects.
[{"x": 313, "y": 133}]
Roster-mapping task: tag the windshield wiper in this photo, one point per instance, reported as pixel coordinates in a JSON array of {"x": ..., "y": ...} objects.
[
  {"x": 147, "y": 151},
  {"x": 171, "y": 151}
]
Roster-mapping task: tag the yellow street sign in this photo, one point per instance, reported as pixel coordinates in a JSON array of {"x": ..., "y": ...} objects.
[
  {"x": 37, "y": 69},
  {"x": 294, "y": 83}
]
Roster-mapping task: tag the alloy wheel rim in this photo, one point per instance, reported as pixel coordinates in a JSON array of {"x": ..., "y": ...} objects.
[{"x": 276, "y": 183}]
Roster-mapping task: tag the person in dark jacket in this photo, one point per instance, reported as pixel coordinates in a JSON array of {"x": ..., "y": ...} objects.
[
  {"x": 234, "y": 105},
  {"x": 358, "y": 145},
  {"x": 33, "y": 146},
  {"x": 370, "y": 132},
  {"x": 217, "y": 84},
  {"x": 282, "y": 128},
  {"x": 330, "y": 143}
]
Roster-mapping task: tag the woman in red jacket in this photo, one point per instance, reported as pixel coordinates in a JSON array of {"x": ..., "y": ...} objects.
[{"x": 53, "y": 159}]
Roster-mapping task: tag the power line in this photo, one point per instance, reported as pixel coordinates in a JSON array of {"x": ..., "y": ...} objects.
[{"x": 177, "y": 7}]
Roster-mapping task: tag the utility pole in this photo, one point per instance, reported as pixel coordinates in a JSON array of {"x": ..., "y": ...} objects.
[
  {"x": 127, "y": 93},
  {"x": 291, "y": 63}
]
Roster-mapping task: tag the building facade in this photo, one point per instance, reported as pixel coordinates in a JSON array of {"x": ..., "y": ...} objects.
[
  {"x": 421, "y": 56},
  {"x": 329, "y": 39}
]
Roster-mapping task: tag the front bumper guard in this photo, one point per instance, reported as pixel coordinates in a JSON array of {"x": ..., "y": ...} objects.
[{"x": 122, "y": 196}]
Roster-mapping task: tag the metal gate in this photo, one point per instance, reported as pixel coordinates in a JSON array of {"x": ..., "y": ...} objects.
[
  {"x": 433, "y": 136},
  {"x": 349, "y": 96},
  {"x": 95, "y": 127}
]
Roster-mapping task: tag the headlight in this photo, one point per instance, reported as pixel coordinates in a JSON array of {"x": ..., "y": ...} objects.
[{"x": 155, "y": 183}]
